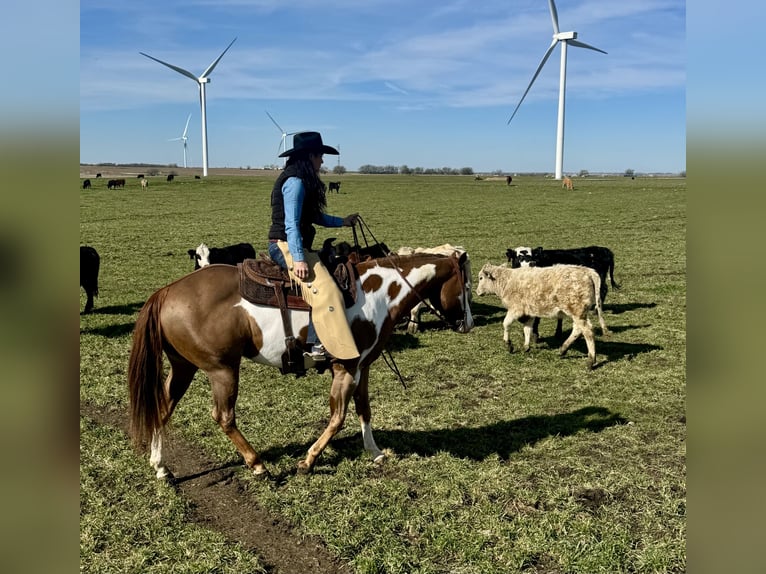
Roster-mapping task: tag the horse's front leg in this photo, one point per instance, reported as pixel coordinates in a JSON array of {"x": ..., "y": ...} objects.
[
  {"x": 362, "y": 404},
  {"x": 343, "y": 387}
]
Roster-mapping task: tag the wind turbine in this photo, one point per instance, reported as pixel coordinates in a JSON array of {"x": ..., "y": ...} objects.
[
  {"x": 283, "y": 143},
  {"x": 565, "y": 39},
  {"x": 201, "y": 81},
  {"x": 183, "y": 137}
]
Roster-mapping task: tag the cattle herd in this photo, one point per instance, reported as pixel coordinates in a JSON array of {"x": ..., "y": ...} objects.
[{"x": 120, "y": 183}]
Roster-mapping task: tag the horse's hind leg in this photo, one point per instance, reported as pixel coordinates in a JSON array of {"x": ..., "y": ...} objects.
[
  {"x": 225, "y": 385},
  {"x": 362, "y": 405},
  {"x": 177, "y": 383}
]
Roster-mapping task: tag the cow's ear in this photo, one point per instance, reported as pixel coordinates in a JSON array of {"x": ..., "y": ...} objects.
[
  {"x": 537, "y": 251},
  {"x": 510, "y": 254},
  {"x": 192, "y": 253}
]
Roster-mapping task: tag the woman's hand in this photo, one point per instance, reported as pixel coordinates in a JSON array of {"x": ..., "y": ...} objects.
[
  {"x": 301, "y": 269},
  {"x": 350, "y": 220}
]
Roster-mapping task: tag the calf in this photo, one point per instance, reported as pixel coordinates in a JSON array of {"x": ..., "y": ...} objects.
[
  {"x": 86, "y": 184},
  {"x": 230, "y": 255},
  {"x": 600, "y": 259},
  {"x": 567, "y": 182},
  {"x": 144, "y": 184},
  {"x": 89, "y": 264},
  {"x": 335, "y": 185},
  {"x": 413, "y": 323},
  {"x": 529, "y": 292},
  {"x": 170, "y": 177}
]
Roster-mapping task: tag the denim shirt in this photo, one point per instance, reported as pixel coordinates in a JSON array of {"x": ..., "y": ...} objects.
[{"x": 293, "y": 194}]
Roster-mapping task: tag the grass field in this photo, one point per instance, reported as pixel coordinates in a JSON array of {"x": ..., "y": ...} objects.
[{"x": 498, "y": 462}]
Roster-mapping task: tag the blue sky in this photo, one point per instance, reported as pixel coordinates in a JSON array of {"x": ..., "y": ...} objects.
[{"x": 423, "y": 84}]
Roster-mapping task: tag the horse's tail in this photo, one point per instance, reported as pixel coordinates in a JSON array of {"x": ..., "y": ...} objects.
[{"x": 148, "y": 402}]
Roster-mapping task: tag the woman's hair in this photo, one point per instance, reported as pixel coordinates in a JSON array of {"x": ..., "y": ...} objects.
[{"x": 304, "y": 169}]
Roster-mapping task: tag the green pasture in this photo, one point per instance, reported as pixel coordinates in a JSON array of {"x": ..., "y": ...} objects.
[{"x": 498, "y": 462}]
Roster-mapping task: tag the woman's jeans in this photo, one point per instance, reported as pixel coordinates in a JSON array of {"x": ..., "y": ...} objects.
[{"x": 276, "y": 254}]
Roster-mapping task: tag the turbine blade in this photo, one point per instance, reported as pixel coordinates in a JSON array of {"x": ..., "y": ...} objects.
[
  {"x": 554, "y": 16},
  {"x": 275, "y": 123},
  {"x": 537, "y": 73},
  {"x": 583, "y": 45},
  {"x": 186, "y": 73},
  {"x": 187, "y": 126},
  {"x": 214, "y": 64}
]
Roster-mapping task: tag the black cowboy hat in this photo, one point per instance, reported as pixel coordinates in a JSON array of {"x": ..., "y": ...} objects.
[{"x": 309, "y": 141}]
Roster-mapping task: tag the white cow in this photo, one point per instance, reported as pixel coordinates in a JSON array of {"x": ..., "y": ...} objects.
[{"x": 529, "y": 292}]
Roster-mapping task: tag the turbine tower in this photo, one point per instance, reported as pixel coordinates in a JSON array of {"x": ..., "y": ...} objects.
[
  {"x": 565, "y": 39},
  {"x": 201, "y": 81},
  {"x": 183, "y": 138},
  {"x": 283, "y": 142}
]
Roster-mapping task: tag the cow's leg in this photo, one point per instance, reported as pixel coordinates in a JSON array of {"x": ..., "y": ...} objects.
[
  {"x": 343, "y": 387},
  {"x": 507, "y": 322},
  {"x": 176, "y": 384},
  {"x": 559, "y": 328},
  {"x": 576, "y": 331},
  {"x": 363, "y": 411},
  {"x": 536, "y": 329},
  {"x": 587, "y": 332},
  {"x": 224, "y": 382},
  {"x": 528, "y": 331},
  {"x": 89, "y": 302}
]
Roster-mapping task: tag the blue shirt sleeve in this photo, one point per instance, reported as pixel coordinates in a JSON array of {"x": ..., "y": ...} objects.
[{"x": 293, "y": 194}]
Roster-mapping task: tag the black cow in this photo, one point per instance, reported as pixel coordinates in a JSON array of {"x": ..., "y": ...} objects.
[
  {"x": 171, "y": 177},
  {"x": 230, "y": 255},
  {"x": 508, "y": 180},
  {"x": 89, "y": 265},
  {"x": 115, "y": 183},
  {"x": 600, "y": 259},
  {"x": 140, "y": 176},
  {"x": 86, "y": 184},
  {"x": 98, "y": 175},
  {"x": 197, "y": 177},
  {"x": 335, "y": 185}
]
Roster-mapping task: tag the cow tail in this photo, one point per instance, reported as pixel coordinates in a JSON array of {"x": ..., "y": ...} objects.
[
  {"x": 611, "y": 273},
  {"x": 148, "y": 402},
  {"x": 596, "y": 278}
]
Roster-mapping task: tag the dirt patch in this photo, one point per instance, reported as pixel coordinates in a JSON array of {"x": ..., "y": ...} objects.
[{"x": 220, "y": 502}]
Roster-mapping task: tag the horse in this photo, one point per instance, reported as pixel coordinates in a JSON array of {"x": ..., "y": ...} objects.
[{"x": 201, "y": 321}]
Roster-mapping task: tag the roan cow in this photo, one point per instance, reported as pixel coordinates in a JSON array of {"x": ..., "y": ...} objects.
[
  {"x": 230, "y": 255},
  {"x": 89, "y": 264},
  {"x": 529, "y": 292},
  {"x": 144, "y": 184}
]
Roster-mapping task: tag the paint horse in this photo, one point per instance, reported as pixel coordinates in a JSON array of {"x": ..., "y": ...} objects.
[{"x": 202, "y": 322}]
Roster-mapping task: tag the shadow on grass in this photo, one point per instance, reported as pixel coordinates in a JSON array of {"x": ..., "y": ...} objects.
[
  {"x": 128, "y": 309},
  {"x": 110, "y": 331},
  {"x": 501, "y": 438},
  {"x": 619, "y": 308}
]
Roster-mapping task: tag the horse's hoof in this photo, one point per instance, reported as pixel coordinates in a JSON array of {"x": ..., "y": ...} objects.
[
  {"x": 380, "y": 459},
  {"x": 591, "y": 364},
  {"x": 263, "y": 475},
  {"x": 303, "y": 468}
]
